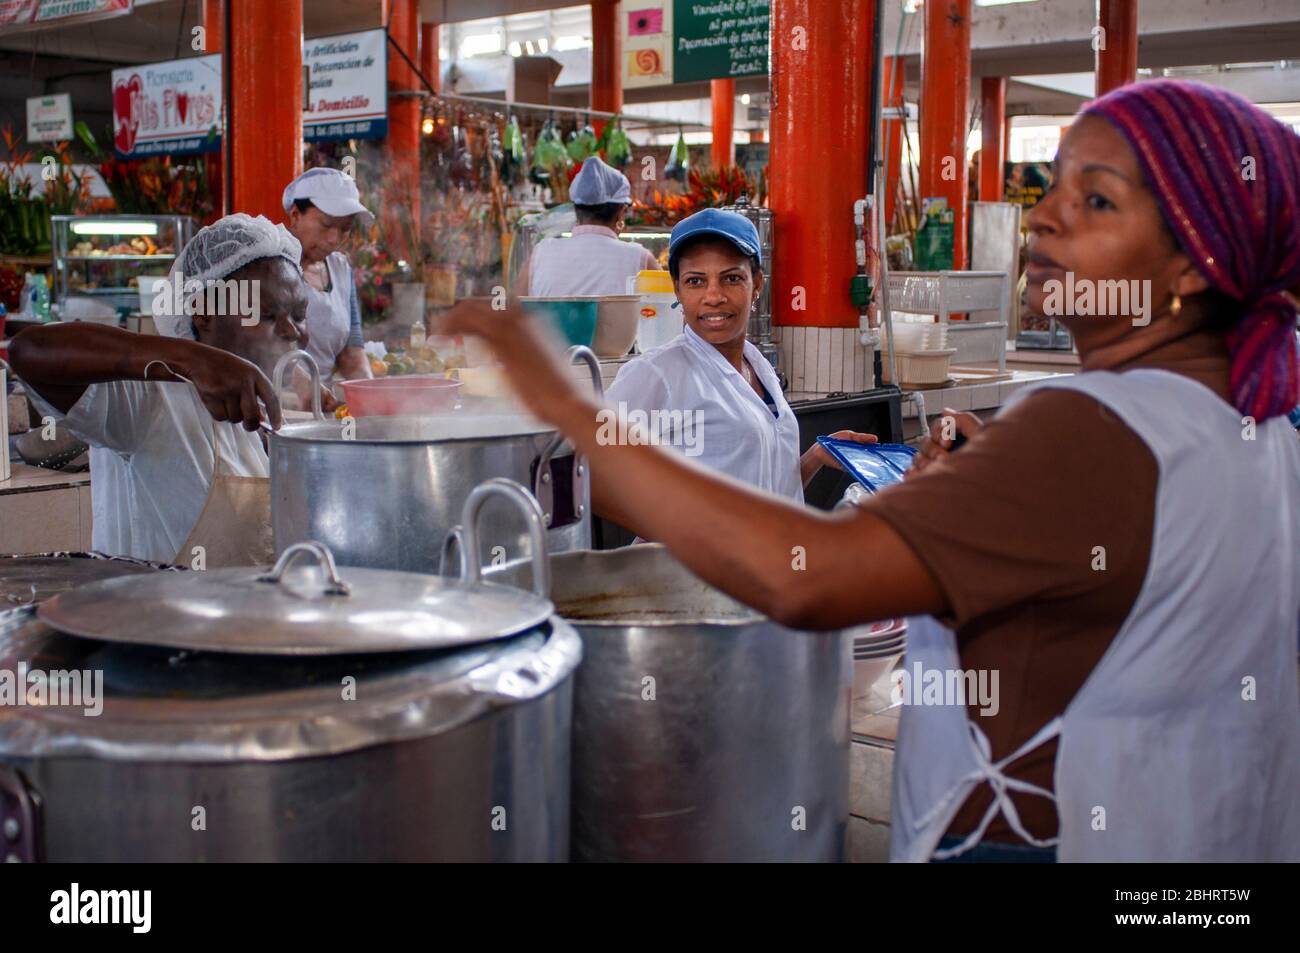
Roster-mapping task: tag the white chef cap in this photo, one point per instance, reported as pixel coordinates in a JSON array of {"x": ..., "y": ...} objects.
[
  {"x": 218, "y": 251},
  {"x": 597, "y": 184},
  {"x": 331, "y": 191}
]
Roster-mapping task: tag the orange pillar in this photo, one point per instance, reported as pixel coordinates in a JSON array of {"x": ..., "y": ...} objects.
[
  {"x": 401, "y": 211},
  {"x": 993, "y": 145},
  {"x": 429, "y": 64},
  {"x": 724, "y": 118},
  {"x": 945, "y": 92},
  {"x": 606, "y": 67},
  {"x": 893, "y": 138},
  {"x": 821, "y": 83},
  {"x": 1117, "y": 63},
  {"x": 264, "y": 110},
  {"x": 214, "y": 24}
]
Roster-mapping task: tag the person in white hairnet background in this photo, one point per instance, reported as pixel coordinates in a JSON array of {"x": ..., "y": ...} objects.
[
  {"x": 178, "y": 469},
  {"x": 321, "y": 208},
  {"x": 594, "y": 260}
]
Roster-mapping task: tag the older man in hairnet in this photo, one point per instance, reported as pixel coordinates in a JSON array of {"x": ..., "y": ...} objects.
[
  {"x": 178, "y": 469},
  {"x": 594, "y": 260}
]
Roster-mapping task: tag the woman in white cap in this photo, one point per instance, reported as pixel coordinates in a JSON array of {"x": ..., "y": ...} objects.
[
  {"x": 594, "y": 260},
  {"x": 178, "y": 472},
  {"x": 321, "y": 207},
  {"x": 734, "y": 417}
]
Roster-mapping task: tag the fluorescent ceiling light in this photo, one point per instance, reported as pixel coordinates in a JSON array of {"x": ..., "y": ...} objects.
[{"x": 115, "y": 228}]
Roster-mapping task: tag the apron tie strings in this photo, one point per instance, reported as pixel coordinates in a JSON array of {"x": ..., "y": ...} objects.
[{"x": 992, "y": 772}]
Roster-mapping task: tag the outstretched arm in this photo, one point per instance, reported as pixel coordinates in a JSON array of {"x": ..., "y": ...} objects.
[
  {"x": 60, "y": 361},
  {"x": 802, "y": 567}
]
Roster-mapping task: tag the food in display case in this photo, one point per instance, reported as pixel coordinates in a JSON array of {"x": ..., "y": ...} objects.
[{"x": 104, "y": 257}]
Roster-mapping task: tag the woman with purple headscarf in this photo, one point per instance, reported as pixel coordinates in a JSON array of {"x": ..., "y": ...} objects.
[{"x": 1110, "y": 568}]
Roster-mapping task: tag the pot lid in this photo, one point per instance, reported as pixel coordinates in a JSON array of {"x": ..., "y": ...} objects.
[
  {"x": 29, "y": 579},
  {"x": 157, "y": 704},
  {"x": 296, "y": 608}
]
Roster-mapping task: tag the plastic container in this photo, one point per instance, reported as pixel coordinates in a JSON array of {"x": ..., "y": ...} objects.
[
  {"x": 148, "y": 286},
  {"x": 572, "y": 319},
  {"x": 617, "y": 321},
  {"x": 400, "y": 396},
  {"x": 660, "y": 320},
  {"x": 922, "y": 368}
]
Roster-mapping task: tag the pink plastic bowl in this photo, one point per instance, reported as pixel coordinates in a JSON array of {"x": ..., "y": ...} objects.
[{"x": 394, "y": 396}]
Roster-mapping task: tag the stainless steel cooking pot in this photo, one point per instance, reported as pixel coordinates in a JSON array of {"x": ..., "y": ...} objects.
[
  {"x": 238, "y": 722},
  {"x": 702, "y": 730},
  {"x": 29, "y": 578},
  {"x": 382, "y": 491}
]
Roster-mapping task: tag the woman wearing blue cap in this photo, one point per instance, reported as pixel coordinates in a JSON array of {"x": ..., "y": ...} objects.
[
  {"x": 320, "y": 209},
  {"x": 734, "y": 417},
  {"x": 594, "y": 260}
]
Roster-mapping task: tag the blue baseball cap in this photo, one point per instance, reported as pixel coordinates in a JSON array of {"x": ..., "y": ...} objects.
[{"x": 732, "y": 226}]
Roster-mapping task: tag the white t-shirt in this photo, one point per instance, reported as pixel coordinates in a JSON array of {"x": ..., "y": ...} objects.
[
  {"x": 151, "y": 462},
  {"x": 736, "y": 432},
  {"x": 593, "y": 261}
]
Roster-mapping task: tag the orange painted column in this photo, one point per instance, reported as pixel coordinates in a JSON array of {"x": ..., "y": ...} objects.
[
  {"x": 429, "y": 63},
  {"x": 821, "y": 83},
  {"x": 1117, "y": 63},
  {"x": 893, "y": 154},
  {"x": 993, "y": 145},
  {"x": 264, "y": 110},
  {"x": 400, "y": 218},
  {"x": 945, "y": 93},
  {"x": 724, "y": 119},
  {"x": 213, "y": 19},
  {"x": 606, "y": 65}
]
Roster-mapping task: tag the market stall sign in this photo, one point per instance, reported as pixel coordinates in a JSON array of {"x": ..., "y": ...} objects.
[
  {"x": 49, "y": 118},
  {"x": 720, "y": 39},
  {"x": 172, "y": 107},
  {"x": 347, "y": 86},
  {"x": 19, "y": 15}
]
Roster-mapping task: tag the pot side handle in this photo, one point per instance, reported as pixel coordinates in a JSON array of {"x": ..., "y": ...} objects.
[
  {"x": 467, "y": 533},
  {"x": 542, "y": 484},
  {"x": 301, "y": 357}
]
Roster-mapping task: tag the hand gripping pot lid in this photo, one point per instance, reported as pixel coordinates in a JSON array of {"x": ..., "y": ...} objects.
[{"x": 295, "y": 610}]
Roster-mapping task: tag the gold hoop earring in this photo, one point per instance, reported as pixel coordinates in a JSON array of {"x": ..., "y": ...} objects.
[{"x": 1176, "y": 306}]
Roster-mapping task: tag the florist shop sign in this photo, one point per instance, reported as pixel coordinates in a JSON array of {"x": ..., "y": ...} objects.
[
  {"x": 175, "y": 107},
  {"x": 19, "y": 15},
  {"x": 347, "y": 86},
  {"x": 171, "y": 107}
]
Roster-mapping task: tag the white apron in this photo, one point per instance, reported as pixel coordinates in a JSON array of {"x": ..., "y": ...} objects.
[
  {"x": 1184, "y": 742},
  {"x": 329, "y": 315},
  {"x": 234, "y": 526}
]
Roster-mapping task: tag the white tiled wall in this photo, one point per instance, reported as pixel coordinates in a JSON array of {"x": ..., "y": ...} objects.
[{"x": 823, "y": 359}]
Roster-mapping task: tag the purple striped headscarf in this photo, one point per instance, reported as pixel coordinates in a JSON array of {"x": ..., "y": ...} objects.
[{"x": 1227, "y": 177}]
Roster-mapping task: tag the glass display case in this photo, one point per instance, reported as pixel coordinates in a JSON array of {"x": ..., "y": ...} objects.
[
  {"x": 559, "y": 222},
  {"x": 99, "y": 260}
]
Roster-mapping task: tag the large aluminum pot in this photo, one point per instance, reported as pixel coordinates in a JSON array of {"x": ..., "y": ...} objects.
[
  {"x": 382, "y": 492},
  {"x": 702, "y": 731},
  {"x": 29, "y": 578},
  {"x": 457, "y": 753}
]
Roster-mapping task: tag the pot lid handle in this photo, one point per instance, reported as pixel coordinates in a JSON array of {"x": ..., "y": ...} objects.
[
  {"x": 471, "y": 556},
  {"x": 336, "y": 587},
  {"x": 300, "y": 356}
]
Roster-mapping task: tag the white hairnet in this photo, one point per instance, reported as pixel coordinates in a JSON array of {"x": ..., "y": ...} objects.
[
  {"x": 597, "y": 184},
  {"x": 218, "y": 251}
]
